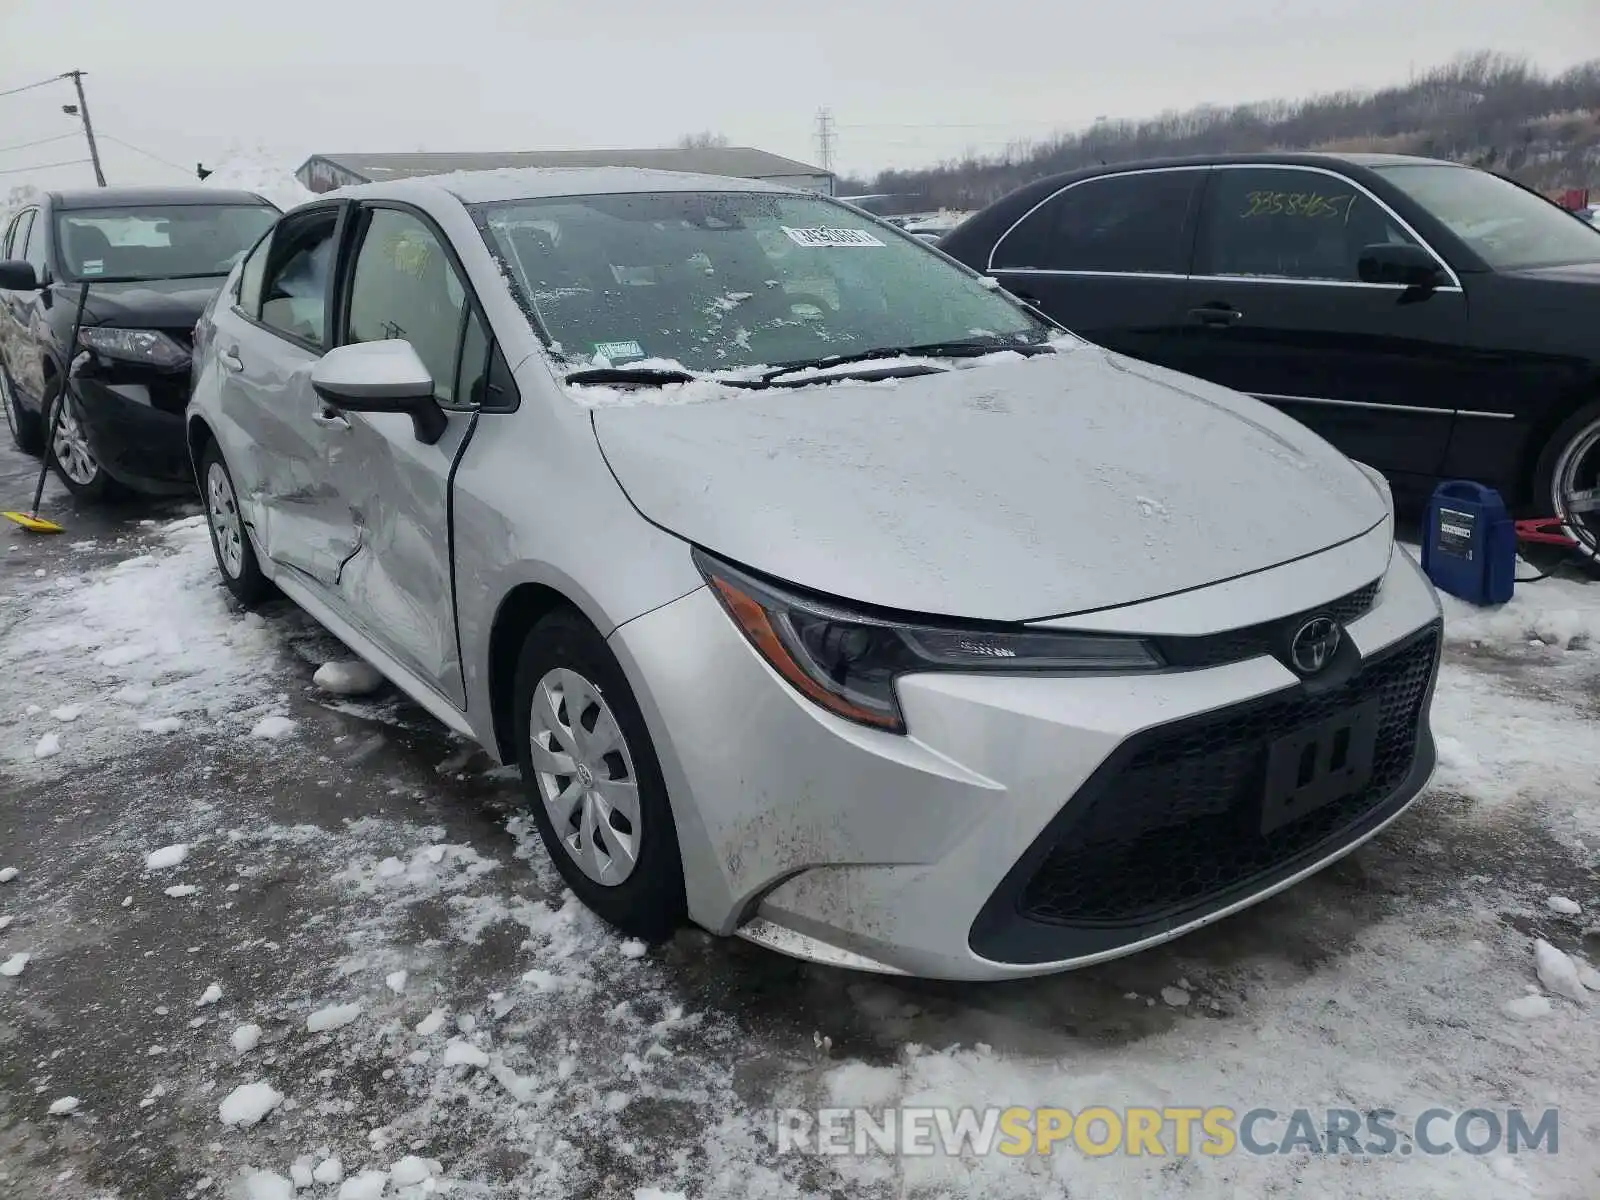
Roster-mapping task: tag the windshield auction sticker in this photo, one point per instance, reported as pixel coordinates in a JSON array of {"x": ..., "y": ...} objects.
[{"x": 821, "y": 238}]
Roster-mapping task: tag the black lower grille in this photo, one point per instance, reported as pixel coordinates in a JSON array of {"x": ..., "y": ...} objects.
[{"x": 1180, "y": 820}]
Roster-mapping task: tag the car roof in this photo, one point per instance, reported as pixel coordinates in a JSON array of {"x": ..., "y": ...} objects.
[
  {"x": 133, "y": 197},
  {"x": 528, "y": 183},
  {"x": 1299, "y": 158}
]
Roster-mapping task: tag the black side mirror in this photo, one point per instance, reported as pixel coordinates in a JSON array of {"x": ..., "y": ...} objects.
[
  {"x": 1399, "y": 263},
  {"x": 16, "y": 275},
  {"x": 381, "y": 377}
]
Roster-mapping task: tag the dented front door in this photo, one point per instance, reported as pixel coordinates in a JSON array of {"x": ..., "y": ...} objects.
[{"x": 396, "y": 585}]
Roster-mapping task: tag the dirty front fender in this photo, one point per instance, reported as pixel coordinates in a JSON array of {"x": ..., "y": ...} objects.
[{"x": 535, "y": 509}]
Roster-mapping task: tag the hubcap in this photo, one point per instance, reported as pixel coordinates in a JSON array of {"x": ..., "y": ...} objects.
[
  {"x": 72, "y": 448},
  {"x": 584, "y": 773},
  {"x": 1577, "y": 489},
  {"x": 225, "y": 525}
]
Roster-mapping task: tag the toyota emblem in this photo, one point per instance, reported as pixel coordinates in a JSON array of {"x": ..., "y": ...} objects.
[{"x": 1314, "y": 644}]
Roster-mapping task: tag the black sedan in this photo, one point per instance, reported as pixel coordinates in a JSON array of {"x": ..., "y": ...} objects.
[
  {"x": 152, "y": 258},
  {"x": 1432, "y": 320}
]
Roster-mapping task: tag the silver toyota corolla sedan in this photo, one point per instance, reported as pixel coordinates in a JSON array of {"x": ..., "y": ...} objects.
[{"x": 823, "y": 593}]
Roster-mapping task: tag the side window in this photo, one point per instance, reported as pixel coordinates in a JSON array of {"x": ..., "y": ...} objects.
[
  {"x": 8, "y": 241},
  {"x": 1136, "y": 223},
  {"x": 294, "y": 287},
  {"x": 248, "y": 295},
  {"x": 30, "y": 241},
  {"x": 1290, "y": 224},
  {"x": 404, "y": 286}
]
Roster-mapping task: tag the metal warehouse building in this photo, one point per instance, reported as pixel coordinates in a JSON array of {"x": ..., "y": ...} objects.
[{"x": 324, "y": 172}]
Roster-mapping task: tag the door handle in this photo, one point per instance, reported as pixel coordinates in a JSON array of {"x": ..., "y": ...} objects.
[
  {"x": 230, "y": 359},
  {"x": 1215, "y": 314},
  {"x": 326, "y": 418}
]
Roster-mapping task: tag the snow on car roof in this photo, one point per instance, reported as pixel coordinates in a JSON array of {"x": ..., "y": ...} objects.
[{"x": 527, "y": 183}]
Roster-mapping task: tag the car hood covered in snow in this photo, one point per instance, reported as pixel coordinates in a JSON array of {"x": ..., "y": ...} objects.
[{"x": 1011, "y": 490}]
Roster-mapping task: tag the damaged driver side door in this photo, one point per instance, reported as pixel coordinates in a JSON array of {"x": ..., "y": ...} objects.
[{"x": 402, "y": 281}]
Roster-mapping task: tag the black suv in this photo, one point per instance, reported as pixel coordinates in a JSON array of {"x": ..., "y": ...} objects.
[
  {"x": 1430, "y": 319},
  {"x": 152, "y": 258}
]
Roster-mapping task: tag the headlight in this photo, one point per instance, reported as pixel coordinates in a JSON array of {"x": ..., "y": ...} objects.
[
  {"x": 134, "y": 345},
  {"x": 847, "y": 662}
]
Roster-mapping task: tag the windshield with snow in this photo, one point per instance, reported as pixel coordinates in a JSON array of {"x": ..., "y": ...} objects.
[
  {"x": 1508, "y": 227},
  {"x": 723, "y": 280},
  {"x": 168, "y": 241}
]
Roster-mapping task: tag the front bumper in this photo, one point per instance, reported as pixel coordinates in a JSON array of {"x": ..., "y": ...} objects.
[
  {"x": 132, "y": 417},
  {"x": 959, "y": 850}
]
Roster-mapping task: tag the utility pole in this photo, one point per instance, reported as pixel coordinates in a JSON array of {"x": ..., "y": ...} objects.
[
  {"x": 82, "y": 110},
  {"x": 825, "y": 137}
]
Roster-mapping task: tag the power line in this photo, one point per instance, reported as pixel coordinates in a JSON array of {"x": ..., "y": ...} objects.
[
  {"x": 71, "y": 162},
  {"x": 141, "y": 150},
  {"x": 60, "y": 137},
  {"x": 27, "y": 87}
]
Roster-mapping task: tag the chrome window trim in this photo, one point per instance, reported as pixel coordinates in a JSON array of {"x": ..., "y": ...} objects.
[
  {"x": 1053, "y": 272},
  {"x": 1269, "y": 397},
  {"x": 1455, "y": 284}
]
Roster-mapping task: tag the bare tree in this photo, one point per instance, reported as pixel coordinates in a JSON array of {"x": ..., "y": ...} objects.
[
  {"x": 1484, "y": 107},
  {"x": 704, "y": 140}
]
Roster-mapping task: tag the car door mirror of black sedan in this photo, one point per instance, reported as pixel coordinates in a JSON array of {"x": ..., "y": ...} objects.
[
  {"x": 381, "y": 377},
  {"x": 17, "y": 275},
  {"x": 1399, "y": 263}
]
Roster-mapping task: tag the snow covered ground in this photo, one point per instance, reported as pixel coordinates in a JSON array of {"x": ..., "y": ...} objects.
[{"x": 329, "y": 960}]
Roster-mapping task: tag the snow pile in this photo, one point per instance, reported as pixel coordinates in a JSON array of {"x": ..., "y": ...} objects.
[
  {"x": 249, "y": 1103},
  {"x": 1558, "y": 972},
  {"x": 64, "y": 1107},
  {"x": 354, "y": 678},
  {"x": 273, "y": 728},
  {"x": 270, "y": 178},
  {"x": 13, "y": 966},
  {"x": 167, "y": 856},
  {"x": 1557, "y": 612},
  {"x": 264, "y": 1185},
  {"x": 154, "y": 635},
  {"x": 335, "y": 1016},
  {"x": 246, "y": 1038},
  {"x": 1496, "y": 732}
]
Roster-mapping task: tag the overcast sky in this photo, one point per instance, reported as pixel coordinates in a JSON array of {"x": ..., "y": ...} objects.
[{"x": 908, "y": 82}]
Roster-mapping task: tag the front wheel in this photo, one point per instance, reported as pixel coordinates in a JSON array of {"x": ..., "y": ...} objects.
[
  {"x": 230, "y": 540},
  {"x": 1567, "y": 481},
  {"x": 70, "y": 455},
  {"x": 593, "y": 781}
]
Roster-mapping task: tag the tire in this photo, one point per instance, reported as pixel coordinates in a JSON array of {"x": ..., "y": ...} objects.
[
  {"x": 1569, "y": 463},
  {"x": 70, "y": 457},
  {"x": 563, "y": 658},
  {"x": 27, "y": 431},
  {"x": 230, "y": 540}
]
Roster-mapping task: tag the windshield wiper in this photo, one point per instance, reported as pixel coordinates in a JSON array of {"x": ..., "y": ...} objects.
[
  {"x": 651, "y": 377},
  {"x": 962, "y": 349}
]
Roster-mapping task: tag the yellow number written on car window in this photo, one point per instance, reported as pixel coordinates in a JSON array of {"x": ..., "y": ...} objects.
[{"x": 1311, "y": 205}]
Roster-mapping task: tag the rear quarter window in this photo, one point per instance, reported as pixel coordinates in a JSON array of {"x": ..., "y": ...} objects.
[{"x": 1136, "y": 223}]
